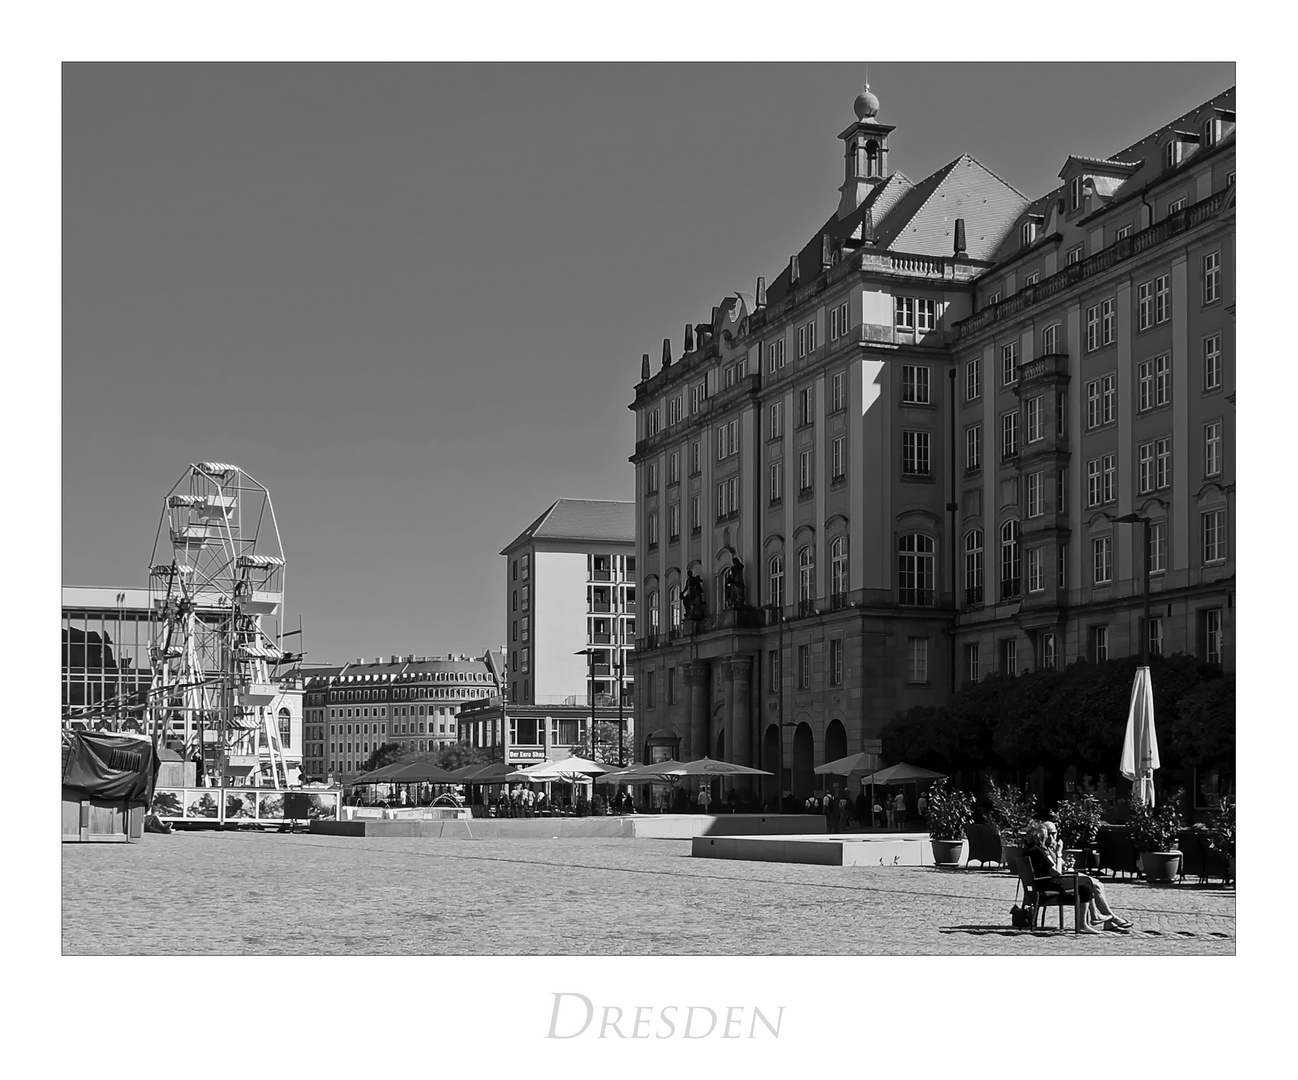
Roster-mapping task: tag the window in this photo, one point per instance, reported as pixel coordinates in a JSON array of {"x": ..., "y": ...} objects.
[
  {"x": 806, "y": 406},
  {"x": 1212, "y": 448},
  {"x": 993, "y": 298},
  {"x": 1063, "y": 567},
  {"x": 673, "y": 612},
  {"x": 917, "y": 660},
  {"x": 838, "y": 567},
  {"x": 1212, "y": 362},
  {"x": 1099, "y": 643},
  {"x": 696, "y": 522},
  {"x": 696, "y": 455},
  {"x": 806, "y": 575},
  {"x": 1075, "y": 192},
  {"x": 1050, "y": 339},
  {"x": 1211, "y": 132},
  {"x": 652, "y": 423},
  {"x": 973, "y": 386},
  {"x": 1036, "y": 494},
  {"x": 727, "y": 440},
  {"x": 806, "y": 339},
  {"x": 1155, "y": 637},
  {"x": 674, "y": 522},
  {"x": 773, "y": 670},
  {"x": 1009, "y": 560},
  {"x": 904, "y": 313},
  {"x": 524, "y": 597},
  {"x": 1108, "y": 323},
  {"x": 775, "y": 355},
  {"x": 1010, "y": 363},
  {"x": 675, "y": 410},
  {"x": 915, "y": 453},
  {"x": 915, "y": 569},
  {"x": 1027, "y": 233},
  {"x": 1211, "y": 277},
  {"x": 1214, "y": 536},
  {"x": 1157, "y": 533},
  {"x": 973, "y": 567},
  {"x": 653, "y": 614},
  {"x": 1145, "y": 306},
  {"x": 838, "y": 321},
  {"x": 971, "y": 662},
  {"x": 1211, "y": 623},
  {"x": 837, "y": 458},
  {"x": 674, "y": 467},
  {"x": 1036, "y": 425},
  {"x": 1009, "y": 434},
  {"x": 838, "y": 391},
  {"x": 777, "y": 482},
  {"x": 1031, "y": 279},
  {"x": 1172, "y": 154},
  {"x": 777, "y": 419},
  {"x": 1162, "y": 463},
  {"x": 1092, "y": 328},
  {"x": 1122, "y": 233},
  {"x": 925, "y": 315},
  {"x": 651, "y": 478},
  {"x": 973, "y": 440},
  {"x": 1175, "y": 207},
  {"x": 1102, "y": 560},
  {"x": 651, "y": 530},
  {"x": 1075, "y": 255},
  {"x": 1009, "y": 656},
  {"x": 728, "y": 498},
  {"x": 805, "y": 477},
  {"x": 1102, "y": 401},
  {"x": 804, "y": 667},
  {"x": 698, "y": 395},
  {"x": 914, "y": 384},
  {"x": 523, "y": 659},
  {"x": 836, "y": 662},
  {"x": 1154, "y": 382},
  {"x": 776, "y": 580},
  {"x": 1162, "y": 298},
  {"x": 1036, "y": 573},
  {"x": 1049, "y": 651}
]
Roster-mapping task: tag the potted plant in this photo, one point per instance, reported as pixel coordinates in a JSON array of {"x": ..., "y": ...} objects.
[
  {"x": 949, "y": 811},
  {"x": 1079, "y": 820},
  {"x": 1153, "y": 831},
  {"x": 1221, "y": 831},
  {"x": 1011, "y": 812}
]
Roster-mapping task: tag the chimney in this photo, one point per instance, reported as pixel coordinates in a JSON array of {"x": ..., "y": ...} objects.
[
  {"x": 644, "y": 368},
  {"x": 667, "y": 352},
  {"x": 793, "y": 270},
  {"x": 761, "y": 293},
  {"x": 959, "y": 238},
  {"x": 826, "y": 251},
  {"x": 689, "y": 338}
]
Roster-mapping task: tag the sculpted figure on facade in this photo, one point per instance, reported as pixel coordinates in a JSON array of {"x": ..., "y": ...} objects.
[{"x": 694, "y": 599}]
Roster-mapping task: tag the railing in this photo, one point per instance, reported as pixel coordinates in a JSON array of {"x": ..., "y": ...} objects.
[
  {"x": 973, "y": 597},
  {"x": 917, "y": 597},
  {"x": 601, "y": 575},
  {"x": 1010, "y": 589},
  {"x": 1126, "y": 248},
  {"x": 601, "y": 639},
  {"x": 837, "y": 601},
  {"x": 1055, "y": 363},
  {"x": 601, "y": 606}
]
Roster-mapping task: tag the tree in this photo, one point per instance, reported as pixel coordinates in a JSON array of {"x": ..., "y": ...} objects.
[
  {"x": 1202, "y": 733},
  {"x": 605, "y": 750},
  {"x": 457, "y": 755},
  {"x": 387, "y": 754}
]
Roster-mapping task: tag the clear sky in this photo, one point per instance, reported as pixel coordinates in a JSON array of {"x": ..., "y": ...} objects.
[{"x": 411, "y": 299}]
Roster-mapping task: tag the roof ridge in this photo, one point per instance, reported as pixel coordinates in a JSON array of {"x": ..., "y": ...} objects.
[{"x": 1171, "y": 123}]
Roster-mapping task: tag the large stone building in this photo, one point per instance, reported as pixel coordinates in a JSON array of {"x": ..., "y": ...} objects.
[{"x": 949, "y": 382}]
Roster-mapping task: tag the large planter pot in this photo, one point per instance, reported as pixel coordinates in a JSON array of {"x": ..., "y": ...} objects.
[
  {"x": 947, "y": 852},
  {"x": 1013, "y": 854},
  {"x": 1160, "y": 867}
]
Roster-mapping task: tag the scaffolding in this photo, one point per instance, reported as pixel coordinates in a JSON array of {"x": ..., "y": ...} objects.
[{"x": 218, "y": 571}]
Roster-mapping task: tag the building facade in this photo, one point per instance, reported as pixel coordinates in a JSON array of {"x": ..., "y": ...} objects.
[
  {"x": 862, "y": 443},
  {"x": 413, "y": 701}
]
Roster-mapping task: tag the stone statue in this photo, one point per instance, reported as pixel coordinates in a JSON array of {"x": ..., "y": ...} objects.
[
  {"x": 695, "y": 602},
  {"x": 736, "y": 593}
]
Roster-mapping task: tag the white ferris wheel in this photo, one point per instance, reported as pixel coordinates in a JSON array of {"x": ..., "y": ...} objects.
[{"x": 217, "y": 572}]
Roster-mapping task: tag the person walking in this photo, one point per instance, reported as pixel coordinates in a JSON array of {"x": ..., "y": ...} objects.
[
  {"x": 891, "y": 809},
  {"x": 922, "y": 807},
  {"x": 899, "y": 808},
  {"x": 705, "y": 798}
]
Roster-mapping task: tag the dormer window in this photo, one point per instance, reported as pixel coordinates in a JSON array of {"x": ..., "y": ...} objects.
[
  {"x": 1173, "y": 153},
  {"x": 1076, "y": 192},
  {"x": 1027, "y": 233},
  {"x": 1211, "y": 132}
]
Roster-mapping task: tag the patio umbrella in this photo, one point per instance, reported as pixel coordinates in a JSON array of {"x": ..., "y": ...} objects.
[
  {"x": 705, "y": 766},
  {"x": 418, "y": 772},
  {"x": 640, "y": 774},
  {"x": 900, "y": 773},
  {"x": 570, "y": 768},
  {"x": 379, "y": 776},
  {"x": 1140, "y": 743},
  {"x": 494, "y": 773},
  {"x": 848, "y": 766}
]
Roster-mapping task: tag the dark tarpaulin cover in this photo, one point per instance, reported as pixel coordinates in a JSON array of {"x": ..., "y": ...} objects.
[{"x": 110, "y": 766}]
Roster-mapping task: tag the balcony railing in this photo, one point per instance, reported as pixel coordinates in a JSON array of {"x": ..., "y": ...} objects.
[
  {"x": 806, "y": 608},
  {"x": 837, "y": 601},
  {"x": 601, "y": 639},
  {"x": 1055, "y": 363},
  {"x": 973, "y": 597},
  {"x": 601, "y": 606},
  {"x": 917, "y": 597},
  {"x": 1010, "y": 589},
  {"x": 601, "y": 575}
]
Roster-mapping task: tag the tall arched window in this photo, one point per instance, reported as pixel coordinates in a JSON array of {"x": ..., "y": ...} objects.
[
  {"x": 777, "y": 580},
  {"x": 285, "y": 728},
  {"x": 806, "y": 576},
  {"x": 653, "y": 614},
  {"x": 674, "y": 608},
  {"x": 973, "y": 567},
  {"x": 915, "y": 569},
  {"x": 1009, "y": 560},
  {"x": 838, "y": 569}
]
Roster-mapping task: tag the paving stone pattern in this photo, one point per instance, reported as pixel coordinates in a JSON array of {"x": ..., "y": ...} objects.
[{"x": 268, "y": 893}]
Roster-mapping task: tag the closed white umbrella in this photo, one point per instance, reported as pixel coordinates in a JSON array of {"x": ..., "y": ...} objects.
[{"x": 1140, "y": 743}]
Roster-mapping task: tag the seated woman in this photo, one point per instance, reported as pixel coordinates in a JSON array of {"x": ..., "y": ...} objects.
[{"x": 1041, "y": 849}]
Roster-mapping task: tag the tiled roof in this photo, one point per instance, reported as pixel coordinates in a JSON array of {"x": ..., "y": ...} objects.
[{"x": 582, "y": 520}]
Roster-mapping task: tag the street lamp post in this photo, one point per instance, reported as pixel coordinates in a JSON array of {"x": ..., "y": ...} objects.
[
  {"x": 779, "y": 712},
  {"x": 590, "y": 653},
  {"x": 621, "y": 724},
  {"x": 1144, "y": 521}
]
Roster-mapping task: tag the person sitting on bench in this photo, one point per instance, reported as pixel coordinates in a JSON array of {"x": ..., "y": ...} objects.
[{"x": 1041, "y": 849}]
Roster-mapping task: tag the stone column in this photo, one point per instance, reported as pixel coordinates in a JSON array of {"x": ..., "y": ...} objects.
[
  {"x": 739, "y": 670},
  {"x": 694, "y": 734}
]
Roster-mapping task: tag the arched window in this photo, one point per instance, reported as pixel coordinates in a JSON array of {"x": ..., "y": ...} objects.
[
  {"x": 674, "y": 608},
  {"x": 973, "y": 567},
  {"x": 776, "y": 594},
  {"x": 838, "y": 569},
  {"x": 653, "y": 614},
  {"x": 285, "y": 728},
  {"x": 806, "y": 576},
  {"x": 1009, "y": 560},
  {"x": 915, "y": 569}
]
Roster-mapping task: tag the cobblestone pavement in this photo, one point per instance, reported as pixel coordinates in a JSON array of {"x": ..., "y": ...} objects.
[{"x": 258, "y": 893}]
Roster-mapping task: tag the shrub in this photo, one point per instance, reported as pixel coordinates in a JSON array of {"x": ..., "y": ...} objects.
[
  {"x": 1011, "y": 812},
  {"x": 1079, "y": 820},
  {"x": 949, "y": 811},
  {"x": 1221, "y": 829},
  {"x": 1155, "y": 828}
]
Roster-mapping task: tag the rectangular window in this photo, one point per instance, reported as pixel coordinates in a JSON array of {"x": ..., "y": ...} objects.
[
  {"x": 1099, "y": 643},
  {"x": 1162, "y": 463},
  {"x": 675, "y": 410},
  {"x": 1162, "y": 298},
  {"x": 971, "y": 667},
  {"x": 727, "y": 440},
  {"x": 1036, "y": 494},
  {"x": 804, "y": 667},
  {"x": 1175, "y": 207},
  {"x": 1211, "y": 621},
  {"x": 914, "y": 384},
  {"x": 777, "y": 481},
  {"x": 1108, "y": 323},
  {"x": 1211, "y": 277},
  {"x": 1009, "y": 656},
  {"x": 838, "y": 391},
  {"x": 806, "y": 406},
  {"x": 1031, "y": 279},
  {"x": 1036, "y": 422},
  {"x": 904, "y": 313},
  {"x": 696, "y": 455},
  {"x": 917, "y": 660},
  {"x": 1092, "y": 328},
  {"x": 775, "y": 355},
  {"x": 674, "y": 522},
  {"x": 925, "y": 315},
  {"x": 1062, "y": 568},
  {"x": 993, "y": 298},
  {"x": 838, "y": 321},
  {"x": 698, "y": 395},
  {"x": 1212, "y": 448},
  {"x": 696, "y": 522},
  {"x": 836, "y": 662},
  {"x": 1157, "y": 547},
  {"x": 1010, "y": 364},
  {"x": 837, "y": 456},
  {"x": 973, "y": 386},
  {"x": 1109, "y": 477},
  {"x": 1075, "y": 255},
  {"x": 973, "y": 441},
  {"x": 915, "y": 459},
  {"x": 806, "y": 339},
  {"x": 1102, "y": 560},
  {"x": 728, "y": 498},
  {"x": 1122, "y": 233},
  {"x": 651, "y": 530},
  {"x": 777, "y": 419},
  {"x": 805, "y": 476},
  {"x": 1075, "y": 193},
  {"x": 1049, "y": 651},
  {"x": 1162, "y": 379},
  {"x": 651, "y": 478},
  {"x": 1145, "y": 468},
  {"x": 1145, "y": 306},
  {"x": 1212, "y": 362},
  {"x": 773, "y": 670},
  {"x": 1010, "y": 434},
  {"x": 1036, "y": 574},
  {"x": 1214, "y": 536},
  {"x": 674, "y": 467},
  {"x": 652, "y": 423}
]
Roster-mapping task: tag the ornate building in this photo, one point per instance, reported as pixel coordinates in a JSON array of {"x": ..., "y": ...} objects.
[{"x": 819, "y": 473}]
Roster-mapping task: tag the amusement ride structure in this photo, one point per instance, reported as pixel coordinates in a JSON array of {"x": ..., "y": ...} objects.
[{"x": 217, "y": 571}]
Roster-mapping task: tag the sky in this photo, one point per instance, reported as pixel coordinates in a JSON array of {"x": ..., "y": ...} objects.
[{"x": 411, "y": 299}]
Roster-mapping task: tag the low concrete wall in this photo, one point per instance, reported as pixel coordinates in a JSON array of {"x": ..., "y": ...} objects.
[
  {"x": 888, "y": 849},
  {"x": 686, "y": 826},
  {"x": 646, "y": 826}
]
